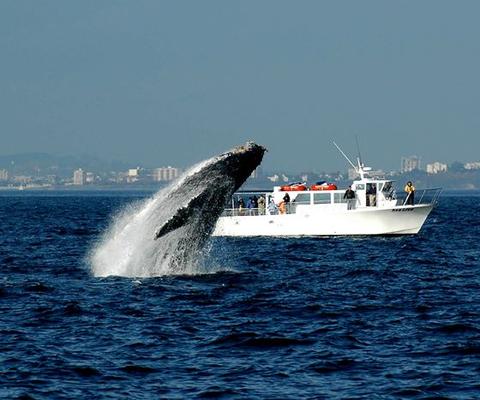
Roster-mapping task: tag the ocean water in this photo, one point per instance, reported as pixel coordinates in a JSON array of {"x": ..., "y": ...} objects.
[{"x": 322, "y": 318}]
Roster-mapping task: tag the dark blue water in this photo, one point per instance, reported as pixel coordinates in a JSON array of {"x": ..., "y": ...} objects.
[{"x": 373, "y": 317}]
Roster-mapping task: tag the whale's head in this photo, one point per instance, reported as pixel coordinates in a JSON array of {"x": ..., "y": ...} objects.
[{"x": 239, "y": 163}]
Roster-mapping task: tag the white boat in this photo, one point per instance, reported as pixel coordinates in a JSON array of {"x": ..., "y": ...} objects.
[{"x": 326, "y": 213}]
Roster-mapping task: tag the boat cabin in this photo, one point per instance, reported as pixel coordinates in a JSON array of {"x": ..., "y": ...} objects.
[{"x": 368, "y": 193}]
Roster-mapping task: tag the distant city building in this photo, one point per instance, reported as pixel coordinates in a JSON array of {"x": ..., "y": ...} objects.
[
  {"x": 133, "y": 175},
  {"x": 409, "y": 164},
  {"x": 117, "y": 177},
  {"x": 52, "y": 179},
  {"x": 472, "y": 165},
  {"x": 22, "y": 179},
  {"x": 79, "y": 177},
  {"x": 3, "y": 175},
  {"x": 134, "y": 172},
  {"x": 377, "y": 173},
  {"x": 89, "y": 177},
  {"x": 165, "y": 174},
  {"x": 436, "y": 167},
  {"x": 353, "y": 174}
]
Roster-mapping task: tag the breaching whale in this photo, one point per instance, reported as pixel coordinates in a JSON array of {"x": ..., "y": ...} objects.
[
  {"x": 209, "y": 189},
  {"x": 166, "y": 234}
]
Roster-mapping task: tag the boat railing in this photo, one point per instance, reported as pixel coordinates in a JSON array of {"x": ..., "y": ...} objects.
[
  {"x": 243, "y": 212},
  {"x": 422, "y": 196},
  {"x": 290, "y": 208}
]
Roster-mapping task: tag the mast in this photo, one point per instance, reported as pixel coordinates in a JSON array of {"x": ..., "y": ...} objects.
[{"x": 360, "y": 168}]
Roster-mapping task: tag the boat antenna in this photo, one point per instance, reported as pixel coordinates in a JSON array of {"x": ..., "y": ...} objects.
[
  {"x": 358, "y": 149},
  {"x": 343, "y": 154}
]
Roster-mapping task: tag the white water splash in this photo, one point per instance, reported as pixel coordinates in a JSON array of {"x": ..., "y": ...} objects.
[{"x": 127, "y": 247}]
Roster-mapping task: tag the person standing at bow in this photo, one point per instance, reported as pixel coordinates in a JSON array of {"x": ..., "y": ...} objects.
[{"x": 410, "y": 189}]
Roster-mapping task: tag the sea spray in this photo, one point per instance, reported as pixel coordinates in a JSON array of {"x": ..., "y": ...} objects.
[
  {"x": 166, "y": 234},
  {"x": 127, "y": 247}
]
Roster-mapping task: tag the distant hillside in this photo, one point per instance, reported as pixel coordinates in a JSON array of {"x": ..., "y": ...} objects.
[
  {"x": 62, "y": 166},
  {"x": 465, "y": 179}
]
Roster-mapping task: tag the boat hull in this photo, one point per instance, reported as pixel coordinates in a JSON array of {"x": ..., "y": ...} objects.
[{"x": 399, "y": 220}]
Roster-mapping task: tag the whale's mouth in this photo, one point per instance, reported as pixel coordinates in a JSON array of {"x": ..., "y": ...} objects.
[{"x": 180, "y": 217}]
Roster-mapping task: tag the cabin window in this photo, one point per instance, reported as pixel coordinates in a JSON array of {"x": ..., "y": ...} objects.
[
  {"x": 302, "y": 198},
  {"x": 387, "y": 187},
  {"x": 360, "y": 186},
  {"x": 338, "y": 198},
  {"x": 321, "y": 198},
  {"x": 389, "y": 191}
]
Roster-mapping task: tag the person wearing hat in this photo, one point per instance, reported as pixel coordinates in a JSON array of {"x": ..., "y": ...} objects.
[{"x": 410, "y": 189}]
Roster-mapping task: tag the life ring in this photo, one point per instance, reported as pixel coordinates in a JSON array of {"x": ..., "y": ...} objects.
[
  {"x": 324, "y": 186},
  {"x": 294, "y": 187}
]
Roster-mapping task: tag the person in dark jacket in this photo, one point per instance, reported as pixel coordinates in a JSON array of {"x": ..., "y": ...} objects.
[
  {"x": 350, "y": 196},
  {"x": 286, "y": 199},
  {"x": 255, "y": 204},
  {"x": 371, "y": 194},
  {"x": 250, "y": 206}
]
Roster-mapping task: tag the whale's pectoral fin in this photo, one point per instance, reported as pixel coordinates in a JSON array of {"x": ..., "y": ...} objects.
[
  {"x": 180, "y": 218},
  {"x": 177, "y": 221}
]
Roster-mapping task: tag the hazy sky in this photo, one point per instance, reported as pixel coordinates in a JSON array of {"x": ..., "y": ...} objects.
[{"x": 175, "y": 82}]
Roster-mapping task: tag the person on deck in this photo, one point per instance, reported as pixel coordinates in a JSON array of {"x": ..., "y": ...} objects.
[
  {"x": 350, "y": 196},
  {"x": 282, "y": 207},
  {"x": 371, "y": 194},
  {"x": 286, "y": 200},
  {"x": 255, "y": 204},
  {"x": 250, "y": 206},
  {"x": 261, "y": 205},
  {"x": 241, "y": 206},
  {"x": 272, "y": 207},
  {"x": 410, "y": 189}
]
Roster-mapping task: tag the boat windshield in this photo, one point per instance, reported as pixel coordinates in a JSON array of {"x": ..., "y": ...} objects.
[{"x": 388, "y": 190}]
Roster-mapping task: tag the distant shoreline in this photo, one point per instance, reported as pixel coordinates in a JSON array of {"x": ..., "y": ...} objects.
[{"x": 93, "y": 190}]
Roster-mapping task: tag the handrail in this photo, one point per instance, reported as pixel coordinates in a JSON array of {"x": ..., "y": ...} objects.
[
  {"x": 424, "y": 196},
  {"x": 243, "y": 212},
  {"x": 430, "y": 195}
]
